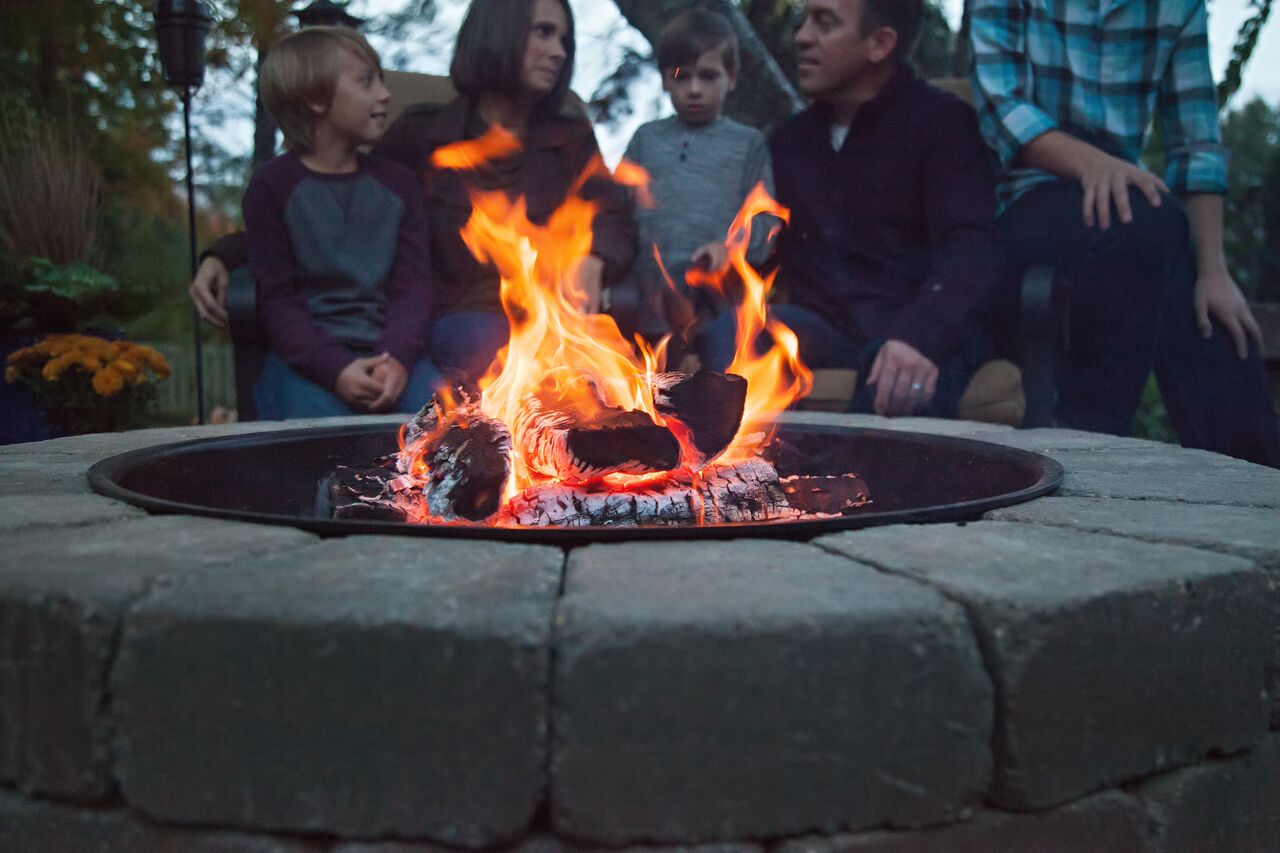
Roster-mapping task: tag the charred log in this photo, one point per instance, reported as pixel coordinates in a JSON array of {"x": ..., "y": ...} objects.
[
  {"x": 568, "y": 446},
  {"x": 708, "y": 405},
  {"x": 462, "y": 456},
  {"x": 357, "y": 493},
  {"x": 826, "y": 495},
  {"x": 748, "y": 491}
]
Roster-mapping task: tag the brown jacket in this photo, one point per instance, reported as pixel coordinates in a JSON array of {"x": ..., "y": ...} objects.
[{"x": 557, "y": 150}]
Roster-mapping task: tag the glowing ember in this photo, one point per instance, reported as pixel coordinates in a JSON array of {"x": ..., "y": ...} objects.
[{"x": 572, "y": 404}]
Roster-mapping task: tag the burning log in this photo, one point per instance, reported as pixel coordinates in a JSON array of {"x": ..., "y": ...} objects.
[
  {"x": 707, "y": 405},
  {"x": 357, "y": 493},
  {"x": 747, "y": 491},
  {"x": 826, "y": 495},
  {"x": 467, "y": 459},
  {"x": 572, "y": 447}
]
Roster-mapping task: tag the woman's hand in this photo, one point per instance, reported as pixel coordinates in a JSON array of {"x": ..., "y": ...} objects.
[
  {"x": 905, "y": 379},
  {"x": 394, "y": 376},
  {"x": 208, "y": 291}
]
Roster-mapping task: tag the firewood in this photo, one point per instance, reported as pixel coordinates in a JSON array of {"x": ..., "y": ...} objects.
[
  {"x": 467, "y": 457},
  {"x": 747, "y": 491},
  {"x": 357, "y": 493},
  {"x": 826, "y": 495},
  {"x": 706, "y": 404},
  {"x": 572, "y": 447}
]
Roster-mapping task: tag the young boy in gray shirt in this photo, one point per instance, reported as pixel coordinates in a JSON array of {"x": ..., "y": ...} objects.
[{"x": 701, "y": 165}]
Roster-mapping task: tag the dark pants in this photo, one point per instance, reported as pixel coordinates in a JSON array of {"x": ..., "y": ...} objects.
[
  {"x": 822, "y": 345},
  {"x": 468, "y": 342},
  {"x": 1131, "y": 309}
]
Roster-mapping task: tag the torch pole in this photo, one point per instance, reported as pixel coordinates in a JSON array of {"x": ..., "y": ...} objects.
[{"x": 191, "y": 245}]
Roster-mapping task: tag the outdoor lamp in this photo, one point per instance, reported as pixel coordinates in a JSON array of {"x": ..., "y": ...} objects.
[
  {"x": 326, "y": 13},
  {"x": 181, "y": 26}
]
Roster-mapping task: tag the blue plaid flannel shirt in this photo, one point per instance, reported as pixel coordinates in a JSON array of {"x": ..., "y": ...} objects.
[{"x": 1098, "y": 70}]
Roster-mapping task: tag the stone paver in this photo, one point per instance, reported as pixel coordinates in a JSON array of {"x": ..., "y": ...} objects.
[
  {"x": 1112, "y": 658},
  {"x": 1110, "y": 822},
  {"x": 728, "y": 690},
  {"x": 43, "y": 474},
  {"x": 1168, "y": 473},
  {"x": 543, "y": 844},
  {"x": 19, "y": 513},
  {"x": 364, "y": 687},
  {"x": 38, "y": 826},
  {"x": 1244, "y": 531},
  {"x": 61, "y": 598},
  {"x": 1220, "y": 807}
]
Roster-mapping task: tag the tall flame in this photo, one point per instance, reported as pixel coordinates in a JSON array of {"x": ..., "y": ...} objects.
[{"x": 581, "y": 360}]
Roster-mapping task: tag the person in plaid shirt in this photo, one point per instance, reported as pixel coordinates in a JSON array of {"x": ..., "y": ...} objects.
[{"x": 1066, "y": 92}]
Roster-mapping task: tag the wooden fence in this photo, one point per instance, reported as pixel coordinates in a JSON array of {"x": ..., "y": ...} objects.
[{"x": 176, "y": 396}]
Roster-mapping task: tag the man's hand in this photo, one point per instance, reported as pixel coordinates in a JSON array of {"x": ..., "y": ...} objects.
[
  {"x": 904, "y": 378},
  {"x": 356, "y": 385},
  {"x": 393, "y": 376},
  {"x": 1219, "y": 298},
  {"x": 712, "y": 256},
  {"x": 208, "y": 291},
  {"x": 589, "y": 279},
  {"x": 1106, "y": 181}
]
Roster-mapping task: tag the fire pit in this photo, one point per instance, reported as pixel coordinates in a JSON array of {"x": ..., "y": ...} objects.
[{"x": 283, "y": 478}]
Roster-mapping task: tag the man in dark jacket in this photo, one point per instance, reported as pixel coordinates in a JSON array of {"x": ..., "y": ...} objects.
[{"x": 892, "y": 243}]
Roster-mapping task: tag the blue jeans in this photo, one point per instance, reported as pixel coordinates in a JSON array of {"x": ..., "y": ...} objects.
[
  {"x": 822, "y": 345},
  {"x": 282, "y": 393},
  {"x": 467, "y": 342},
  {"x": 1131, "y": 309}
]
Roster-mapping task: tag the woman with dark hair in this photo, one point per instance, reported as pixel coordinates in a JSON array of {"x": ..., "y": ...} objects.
[{"x": 512, "y": 65}]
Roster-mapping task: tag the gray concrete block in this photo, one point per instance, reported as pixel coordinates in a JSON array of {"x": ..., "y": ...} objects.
[
  {"x": 542, "y": 844},
  {"x": 98, "y": 446},
  {"x": 748, "y": 689},
  {"x": 1112, "y": 658},
  {"x": 40, "y": 826},
  {"x": 1168, "y": 473},
  {"x": 365, "y": 687},
  {"x": 1109, "y": 822},
  {"x": 61, "y": 597},
  {"x": 1244, "y": 531},
  {"x": 25, "y": 512},
  {"x": 1228, "y": 806},
  {"x": 43, "y": 474}
]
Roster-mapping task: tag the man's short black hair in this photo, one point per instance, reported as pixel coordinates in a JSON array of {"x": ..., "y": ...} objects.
[
  {"x": 902, "y": 15},
  {"x": 694, "y": 33}
]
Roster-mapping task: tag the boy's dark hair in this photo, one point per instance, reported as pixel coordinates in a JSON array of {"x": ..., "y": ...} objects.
[
  {"x": 694, "y": 33},
  {"x": 302, "y": 70},
  {"x": 489, "y": 54},
  {"x": 903, "y": 16}
]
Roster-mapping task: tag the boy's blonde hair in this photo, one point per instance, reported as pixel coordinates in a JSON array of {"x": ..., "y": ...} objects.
[{"x": 302, "y": 70}]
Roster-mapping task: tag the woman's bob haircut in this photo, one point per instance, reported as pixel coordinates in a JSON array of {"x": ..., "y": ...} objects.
[{"x": 489, "y": 56}]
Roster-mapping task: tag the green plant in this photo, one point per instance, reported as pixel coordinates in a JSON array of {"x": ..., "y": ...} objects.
[{"x": 1152, "y": 420}]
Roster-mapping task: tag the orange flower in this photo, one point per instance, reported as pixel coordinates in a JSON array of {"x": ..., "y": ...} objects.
[
  {"x": 127, "y": 369},
  {"x": 108, "y": 382},
  {"x": 54, "y": 367},
  {"x": 12, "y": 374}
]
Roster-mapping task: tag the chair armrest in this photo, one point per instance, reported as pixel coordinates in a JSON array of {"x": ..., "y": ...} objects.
[
  {"x": 248, "y": 342},
  {"x": 1042, "y": 340}
]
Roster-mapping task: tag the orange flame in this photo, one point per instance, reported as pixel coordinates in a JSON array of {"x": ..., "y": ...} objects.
[
  {"x": 633, "y": 175},
  {"x": 581, "y": 361},
  {"x": 495, "y": 144},
  {"x": 776, "y": 378}
]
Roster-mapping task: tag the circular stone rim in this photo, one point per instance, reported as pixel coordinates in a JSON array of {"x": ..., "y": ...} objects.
[{"x": 103, "y": 477}]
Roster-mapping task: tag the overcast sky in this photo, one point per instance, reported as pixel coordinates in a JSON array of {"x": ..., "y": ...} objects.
[{"x": 602, "y": 34}]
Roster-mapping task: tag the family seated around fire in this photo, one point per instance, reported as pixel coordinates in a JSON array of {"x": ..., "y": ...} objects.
[
  {"x": 511, "y": 67},
  {"x": 896, "y": 249}
]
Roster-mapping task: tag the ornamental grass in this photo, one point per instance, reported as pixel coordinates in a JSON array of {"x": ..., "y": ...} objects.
[{"x": 88, "y": 384}]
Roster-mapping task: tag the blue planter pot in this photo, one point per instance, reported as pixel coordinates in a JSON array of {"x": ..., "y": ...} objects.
[{"x": 21, "y": 418}]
